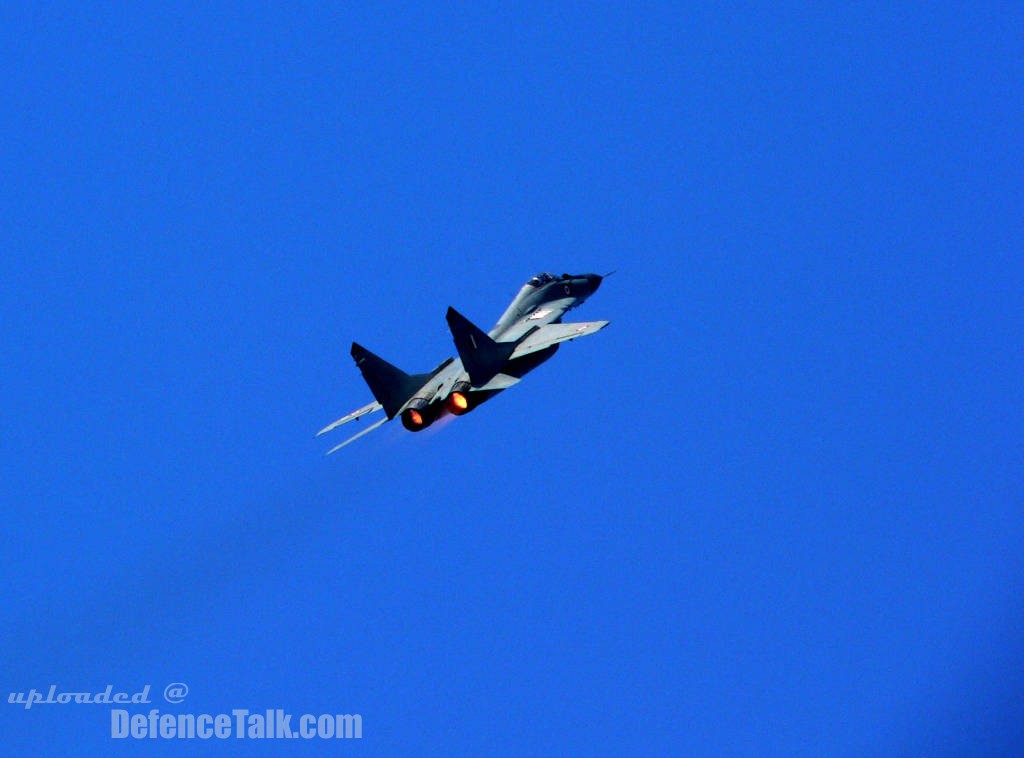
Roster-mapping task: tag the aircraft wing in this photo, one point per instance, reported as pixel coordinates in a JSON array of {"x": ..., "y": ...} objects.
[
  {"x": 368, "y": 408},
  {"x": 354, "y": 437},
  {"x": 552, "y": 334}
]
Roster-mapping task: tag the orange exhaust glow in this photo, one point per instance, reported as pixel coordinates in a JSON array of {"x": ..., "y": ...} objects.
[
  {"x": 415, "y": 417},
  {"x": 457, "y": 403}
]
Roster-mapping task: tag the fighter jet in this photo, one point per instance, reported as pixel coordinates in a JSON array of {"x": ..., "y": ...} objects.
[{"x": 527, "y": 334}]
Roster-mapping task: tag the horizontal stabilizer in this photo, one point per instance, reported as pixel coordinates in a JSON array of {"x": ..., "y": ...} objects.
[
  {"x": 481, "y": 356},
  {"x": 499, "y": 382},
  {"x": 353, "y": 416},
  {"x": 551, "y": 334}
]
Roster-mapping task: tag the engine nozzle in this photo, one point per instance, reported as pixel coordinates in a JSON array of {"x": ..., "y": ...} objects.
[
  {"x": 418, "y": 415},
  {"x": 458, "y": 401}
]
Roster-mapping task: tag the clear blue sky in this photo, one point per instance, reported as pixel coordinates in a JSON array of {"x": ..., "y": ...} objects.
[{"x": 774, "y": 509}]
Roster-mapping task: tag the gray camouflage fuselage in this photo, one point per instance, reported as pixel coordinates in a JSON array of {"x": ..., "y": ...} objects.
[{"x": 527, "y": 334}]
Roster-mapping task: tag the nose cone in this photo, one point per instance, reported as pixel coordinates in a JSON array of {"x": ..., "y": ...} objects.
[{"x": 593, "y": 282}]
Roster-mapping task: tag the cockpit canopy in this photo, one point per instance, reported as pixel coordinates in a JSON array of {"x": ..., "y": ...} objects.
[{"x": 541, "y": 279}]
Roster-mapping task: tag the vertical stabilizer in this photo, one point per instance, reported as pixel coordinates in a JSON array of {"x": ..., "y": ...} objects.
[
  {"x": 481, "y": 356},
  {"x": 391, "y": 386}
]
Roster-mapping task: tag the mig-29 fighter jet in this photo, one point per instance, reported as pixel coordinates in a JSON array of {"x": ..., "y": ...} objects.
[{"x": 526, "y": 335}]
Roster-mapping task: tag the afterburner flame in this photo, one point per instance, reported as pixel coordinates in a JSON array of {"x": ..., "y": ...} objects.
[
  {"x": 415, "y": 417},
  {"x": 457, "y": 403}
]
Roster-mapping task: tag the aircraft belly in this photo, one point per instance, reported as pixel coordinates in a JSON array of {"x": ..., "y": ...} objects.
[{"x": 520, "y": 367}]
